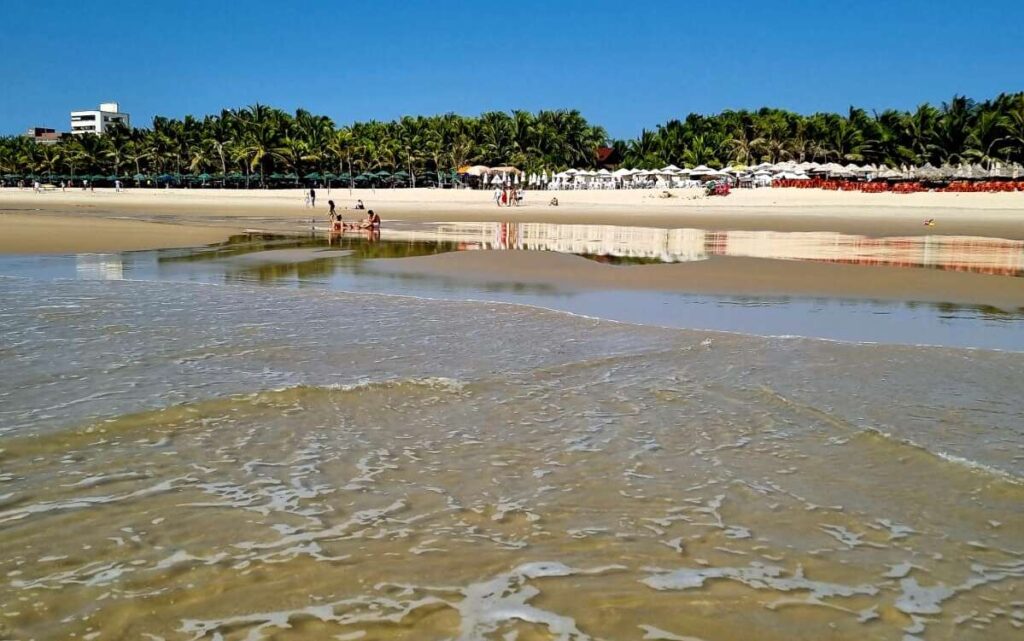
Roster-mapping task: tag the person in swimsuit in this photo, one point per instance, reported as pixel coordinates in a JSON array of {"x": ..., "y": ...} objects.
[
  {"x": 372, "y": 221},
  {"x": 335, "y": 217}
]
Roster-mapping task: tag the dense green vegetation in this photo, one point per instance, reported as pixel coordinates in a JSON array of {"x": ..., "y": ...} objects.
[{"x": 260, "y": 145}]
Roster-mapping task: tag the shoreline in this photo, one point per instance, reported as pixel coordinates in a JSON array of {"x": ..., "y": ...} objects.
[
  {"x": 104, "y": 221},
  {"x": 993, "y": 215}
]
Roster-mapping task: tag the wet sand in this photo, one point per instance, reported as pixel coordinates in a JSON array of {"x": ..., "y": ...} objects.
[
  {"x": 39, "y": 234},
  {"x": 147, "y": 219},
  {"x": 718, "y": 275},
  {"x": 993, "y": 215}
]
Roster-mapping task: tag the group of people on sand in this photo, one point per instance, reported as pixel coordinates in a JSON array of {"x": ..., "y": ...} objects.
[
  {"x": 508, "y": 195},
  {"x": 338, "y": 225}
]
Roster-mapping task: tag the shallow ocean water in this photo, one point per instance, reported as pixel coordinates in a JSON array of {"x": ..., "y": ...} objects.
[
  {"x": 339, "y": 265},
  {"x": 189, "y": 460}
]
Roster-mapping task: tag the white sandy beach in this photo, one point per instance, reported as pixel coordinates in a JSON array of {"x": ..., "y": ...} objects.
[{"x": 983, "y": 214}]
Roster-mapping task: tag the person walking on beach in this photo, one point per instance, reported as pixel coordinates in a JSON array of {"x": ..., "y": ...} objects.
[
  {"x": 312, "y": 197},
  {"x": 497, "y": 196}
]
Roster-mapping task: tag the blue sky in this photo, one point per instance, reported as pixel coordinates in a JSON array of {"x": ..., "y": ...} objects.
[{"x": 625, "y": 65}]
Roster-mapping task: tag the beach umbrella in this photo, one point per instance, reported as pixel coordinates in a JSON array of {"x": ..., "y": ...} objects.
[{"x": 313, "y": 176}]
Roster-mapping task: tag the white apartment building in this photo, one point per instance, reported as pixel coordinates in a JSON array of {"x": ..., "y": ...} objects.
[{"x": 99, "y": 120}]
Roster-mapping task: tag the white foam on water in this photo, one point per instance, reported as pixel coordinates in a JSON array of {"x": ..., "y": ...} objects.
[
  {"x": 657, "y": 634},
  {"x": 760, "y": 577},
  {"x": 483, "y": 608},
  {"x": 90, "y": 501},
  {"x": 970, "y": 464}
]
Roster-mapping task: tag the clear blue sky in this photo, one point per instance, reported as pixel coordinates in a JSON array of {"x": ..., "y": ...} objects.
[{"x": 625, "y": 65}]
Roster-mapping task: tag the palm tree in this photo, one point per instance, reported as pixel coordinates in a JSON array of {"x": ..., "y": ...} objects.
[{"x": 987, "y": 137}]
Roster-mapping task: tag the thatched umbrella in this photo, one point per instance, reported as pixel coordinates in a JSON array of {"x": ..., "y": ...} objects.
[{"x": 927, "y": 172}]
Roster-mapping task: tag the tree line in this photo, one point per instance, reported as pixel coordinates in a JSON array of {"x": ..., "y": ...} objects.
[{"x": 258, "y": 145}]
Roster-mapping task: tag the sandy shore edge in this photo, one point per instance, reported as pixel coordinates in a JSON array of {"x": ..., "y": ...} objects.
[{"x": 719, "y": 275}]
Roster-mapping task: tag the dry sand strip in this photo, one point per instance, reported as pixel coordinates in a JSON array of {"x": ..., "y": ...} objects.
[
  {"x": 993, "y": 215},
  {"x": 36, "y": 234},
  {"x": 718, "y": 275}
]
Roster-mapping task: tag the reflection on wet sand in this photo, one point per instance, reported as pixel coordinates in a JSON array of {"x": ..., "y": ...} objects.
[
  {"x": 615, "y": 244},
  {"x": 957, "y": 253}
]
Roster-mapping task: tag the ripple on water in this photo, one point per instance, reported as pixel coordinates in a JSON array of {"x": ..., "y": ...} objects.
[{"x": 261, "y": 467}]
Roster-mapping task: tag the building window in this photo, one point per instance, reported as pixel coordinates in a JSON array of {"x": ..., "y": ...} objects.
[{"x": 85, "y": 117}]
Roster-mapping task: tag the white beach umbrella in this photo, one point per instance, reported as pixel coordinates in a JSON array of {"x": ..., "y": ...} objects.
[{"x": 701, "y": 170}]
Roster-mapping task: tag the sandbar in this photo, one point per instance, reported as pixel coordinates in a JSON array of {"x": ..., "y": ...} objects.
[{"x": 724, "y": 275}]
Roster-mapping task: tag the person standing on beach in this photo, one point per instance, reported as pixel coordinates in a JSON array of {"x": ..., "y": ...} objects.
[
  {"x": 497, "y": 196},
  {"x": 312, "y": 197},
  {"x": 337, "y": 224}
]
